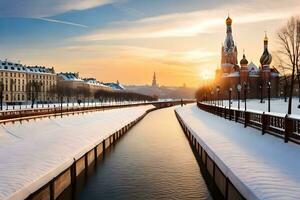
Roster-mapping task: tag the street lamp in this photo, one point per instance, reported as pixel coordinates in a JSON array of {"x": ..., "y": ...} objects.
[
  {"x": 211, "y": 97},
  {"x": 230, "y": 91},
  {"x": 245, "y": 95},
  {"x": 269, "y": 96},
  {"x": 218, "y": 91},
  {"x": 239, "y": 88},
  {"x": 261, "y": 92}
]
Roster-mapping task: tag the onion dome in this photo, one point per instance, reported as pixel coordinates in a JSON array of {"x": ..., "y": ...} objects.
[
  {"x": 228, "y": 20},
  {"x": 266, "y": 57},
  {"x": 244, "y": 61}
]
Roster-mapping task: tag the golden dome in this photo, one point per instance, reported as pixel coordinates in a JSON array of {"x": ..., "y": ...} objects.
[
  {"x": 266, "y": 38},
  {"x": 228, "y": 21}
]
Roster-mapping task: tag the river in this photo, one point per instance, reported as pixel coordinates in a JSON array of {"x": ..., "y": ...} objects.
[{"x": 152, "y": 161}]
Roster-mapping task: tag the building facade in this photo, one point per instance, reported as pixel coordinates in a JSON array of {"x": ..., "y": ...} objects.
[
  {"x": 19, "y": 83},
  {"x": 40, "y": 82},
  {"x": 256, "y": 81}
]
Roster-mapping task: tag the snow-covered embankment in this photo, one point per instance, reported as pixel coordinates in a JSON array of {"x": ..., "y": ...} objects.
[
  {"x": 240, "y": 160},
  {"x": 35, "y": 153}
]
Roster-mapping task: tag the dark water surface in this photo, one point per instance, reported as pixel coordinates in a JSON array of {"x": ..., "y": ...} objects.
[{"x": 152, "y": 161}]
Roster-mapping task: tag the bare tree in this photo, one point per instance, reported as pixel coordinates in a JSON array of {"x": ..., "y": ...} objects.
[
  {"x": 289, "y": 40},
  {"x": 33, "y": 89},
  {"x": 285, "y": 71}
]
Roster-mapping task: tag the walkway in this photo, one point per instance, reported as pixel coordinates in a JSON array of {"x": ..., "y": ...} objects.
[{"x": 260, "y": 167}]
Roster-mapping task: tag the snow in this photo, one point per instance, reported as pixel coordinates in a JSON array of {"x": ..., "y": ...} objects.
[
  {"x": 34, "y": 152},
  {"x": 277, "y": 105},
  {"x": 260, "y": 167}
]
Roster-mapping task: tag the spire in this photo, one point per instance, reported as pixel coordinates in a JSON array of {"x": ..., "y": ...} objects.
[
  {"x": 228, "y": 20},
  {"x": 154, "y": 84},
  {"x": 266, "y": 37},
  {"x": 229, "y": 43},
  {"x": 244, "y": 61}
]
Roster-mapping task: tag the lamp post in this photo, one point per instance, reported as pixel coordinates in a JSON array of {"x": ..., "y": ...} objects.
[
  {"x": 261, "y": 93},
  {"x": 239, "y": 87},
  {"x": 211, "y": 97},
  {"x": 245, "y": 95},
  {"x": 230, "y": 91},
  {"x": 218, "y": 91},
  {"x": 269, "y": 96}
]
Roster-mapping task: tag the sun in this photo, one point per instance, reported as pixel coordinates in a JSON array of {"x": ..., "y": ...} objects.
[{"x": 206, "y": 74}]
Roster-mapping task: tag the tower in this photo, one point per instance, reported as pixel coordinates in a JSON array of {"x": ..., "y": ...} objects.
[
  {"x": 266, "y": 58},
  {"x": 154, "y": 84},
  {"x": 244, "y": 72},
  {"x": 265, "y": 61},
  {"x": 229, "y": 50}
]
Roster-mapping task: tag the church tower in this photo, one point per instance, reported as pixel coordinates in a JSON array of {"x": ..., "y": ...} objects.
[
  {"x": 229, "y": 50},
  {"x": 265, "y": 61},
  {"x": 244, "y": 72},
  {"x": 154, "y": 84}
]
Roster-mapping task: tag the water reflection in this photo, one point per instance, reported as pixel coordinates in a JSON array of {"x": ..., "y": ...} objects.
[{"x": 152, "y": 161}]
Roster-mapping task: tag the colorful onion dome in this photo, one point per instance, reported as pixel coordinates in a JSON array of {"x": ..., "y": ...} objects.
[{"x": 266, "y": 57}]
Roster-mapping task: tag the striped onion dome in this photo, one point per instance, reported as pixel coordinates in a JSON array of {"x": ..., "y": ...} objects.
[{"x": 266, "y": 57}]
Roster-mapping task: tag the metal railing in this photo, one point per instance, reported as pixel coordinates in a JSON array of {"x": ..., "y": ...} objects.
[
  {"x": 279, "y": 125},
  {"x": 32, "y": 113}
]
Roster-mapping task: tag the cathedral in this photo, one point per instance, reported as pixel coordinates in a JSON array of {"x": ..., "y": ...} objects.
[{"x": 256, "y": 80}]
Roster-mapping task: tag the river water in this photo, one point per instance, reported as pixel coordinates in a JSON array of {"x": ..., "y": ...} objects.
[{"x": 152, "y": 161}]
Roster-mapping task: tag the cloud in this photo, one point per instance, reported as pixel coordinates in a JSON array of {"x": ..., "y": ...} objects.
[
  {"x": 45, "y": 8},
  {"x": 193, "y": 57},
  {"x": 61, "y": 22},
  {"x": 194, "y": 23}
]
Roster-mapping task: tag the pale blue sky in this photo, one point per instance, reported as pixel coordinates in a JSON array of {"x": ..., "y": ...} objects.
[{"x": 114, "y": 39}]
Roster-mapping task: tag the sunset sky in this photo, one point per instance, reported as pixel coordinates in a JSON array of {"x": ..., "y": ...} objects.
[{"x": 127, "y": 40}]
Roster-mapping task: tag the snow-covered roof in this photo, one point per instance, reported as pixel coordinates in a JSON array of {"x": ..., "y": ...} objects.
[
  {"x": 69, "y": 76},
  {"x": 234, "y": 74},
  {"x": 252, "y": 67},
  {"x": 115, "y": 86},
  {"x": 10, "y": 66},
  {"x": 93, "y": 81},
  {"x": 39, "y": 69},
  {"x": 17, "y": 67}
]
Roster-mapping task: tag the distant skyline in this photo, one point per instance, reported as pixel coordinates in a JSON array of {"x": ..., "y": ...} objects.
[{"x": 127, "y": 40}]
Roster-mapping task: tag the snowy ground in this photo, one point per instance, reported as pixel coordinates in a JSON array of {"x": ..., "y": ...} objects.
[
  {"x": 34, "y": 152},
  {"x": 261, "y": 167},
  {"x": 277, "y": 105}
]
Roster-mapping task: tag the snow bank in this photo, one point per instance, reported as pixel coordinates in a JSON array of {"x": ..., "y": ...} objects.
[
  {"x": 260, "y": 167},
  {"x": 277, "y": 105},
  {"x": 34, "y": 152}
]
